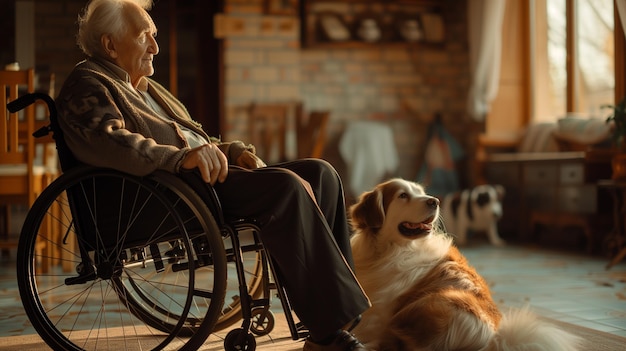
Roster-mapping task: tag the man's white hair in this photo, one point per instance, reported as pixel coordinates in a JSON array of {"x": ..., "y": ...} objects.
[{"x": 103, "y": 17}]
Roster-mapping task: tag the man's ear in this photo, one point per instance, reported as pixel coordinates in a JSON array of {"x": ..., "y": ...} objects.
[{"x": 109, "y": 45}]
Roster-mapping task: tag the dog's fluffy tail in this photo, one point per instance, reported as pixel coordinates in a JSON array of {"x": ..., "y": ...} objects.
[{"x": 521, "y": 330}]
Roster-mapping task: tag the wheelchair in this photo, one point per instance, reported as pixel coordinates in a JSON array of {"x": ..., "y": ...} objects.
[{"x": 112, "y": 261}]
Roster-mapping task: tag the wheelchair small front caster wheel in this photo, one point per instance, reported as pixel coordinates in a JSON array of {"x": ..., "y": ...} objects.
[
  {"x": 239, "y": 340},
  {"x": 262, "y": 322}
]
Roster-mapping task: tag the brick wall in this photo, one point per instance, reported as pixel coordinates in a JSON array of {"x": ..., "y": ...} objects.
[{"x": 401, "y": 86}]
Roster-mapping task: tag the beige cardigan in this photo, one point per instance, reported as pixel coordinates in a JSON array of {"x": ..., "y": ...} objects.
[{"x": 106, "y": 122}]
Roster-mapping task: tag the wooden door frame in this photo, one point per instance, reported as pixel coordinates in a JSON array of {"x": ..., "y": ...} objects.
[
  {"x": 620, "y": 57},
  {"x": 210, "y": 51},
  {"x": 209, "y": 85}
]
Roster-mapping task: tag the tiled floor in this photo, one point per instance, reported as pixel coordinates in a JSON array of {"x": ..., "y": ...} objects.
[{"x": 566, "y": 286}]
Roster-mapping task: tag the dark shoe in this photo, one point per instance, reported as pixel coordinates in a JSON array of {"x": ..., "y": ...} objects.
[{"x": 344, "y": 341}]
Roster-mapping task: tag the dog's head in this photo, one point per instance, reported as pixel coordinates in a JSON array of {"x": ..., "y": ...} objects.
[
  {"x": 396, "y": 208},
  {"x": 486, "y": 202}
]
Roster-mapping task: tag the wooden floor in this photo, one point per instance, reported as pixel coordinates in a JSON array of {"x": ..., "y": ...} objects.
[
  {"x": 279, "y": 340},
  {"x": 568, "y": 287}
]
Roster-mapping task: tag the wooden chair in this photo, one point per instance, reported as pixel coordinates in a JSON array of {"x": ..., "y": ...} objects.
[
  {"x": 268, "y": 127},
  {"x": 270, "y": 124},
  {"x": 311, "y": 134},
  {"x": 20, "y": 180}
]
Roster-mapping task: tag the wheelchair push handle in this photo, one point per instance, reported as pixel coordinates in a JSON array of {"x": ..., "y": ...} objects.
[
  {"x": 26, "y": 100},
  {"x": 66, "y": 157}
]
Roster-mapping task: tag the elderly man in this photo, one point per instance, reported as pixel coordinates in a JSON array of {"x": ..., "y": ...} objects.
[{"x": 113, "y": 115}]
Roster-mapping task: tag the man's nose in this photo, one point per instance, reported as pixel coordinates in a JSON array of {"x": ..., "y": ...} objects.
[{"x": 154, "y": 46}]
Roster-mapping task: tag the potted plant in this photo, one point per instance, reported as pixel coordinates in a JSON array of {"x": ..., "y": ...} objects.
[{"x": 618, "y": 135}]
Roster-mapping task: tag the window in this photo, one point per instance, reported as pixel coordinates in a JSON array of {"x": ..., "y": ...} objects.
[{"x": 582, "y": 30}]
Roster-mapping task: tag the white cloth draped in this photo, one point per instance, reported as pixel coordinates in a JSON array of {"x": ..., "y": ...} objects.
[{"x": 369, "y": 150}]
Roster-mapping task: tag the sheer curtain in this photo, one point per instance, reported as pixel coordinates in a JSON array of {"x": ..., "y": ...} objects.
[{"x": 485, "y": 44}]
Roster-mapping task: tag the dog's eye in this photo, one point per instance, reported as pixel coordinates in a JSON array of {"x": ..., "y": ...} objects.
[{"x": 403, "y": 196}]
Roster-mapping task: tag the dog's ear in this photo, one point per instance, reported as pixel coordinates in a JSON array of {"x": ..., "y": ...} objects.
[{"x": 368, "y": 212}]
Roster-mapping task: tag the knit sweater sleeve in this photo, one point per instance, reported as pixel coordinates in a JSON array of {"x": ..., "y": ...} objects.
[{"x": 94, "y": 116}]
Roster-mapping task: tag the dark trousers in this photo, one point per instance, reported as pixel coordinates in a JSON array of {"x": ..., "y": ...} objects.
[{"x": 308, "y": 238}]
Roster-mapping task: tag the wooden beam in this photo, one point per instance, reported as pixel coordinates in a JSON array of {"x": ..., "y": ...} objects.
[
  {"x": 571, "y": 64},
  {"x": 173, "y": 54},
  {"x": 620, "y": 57}
]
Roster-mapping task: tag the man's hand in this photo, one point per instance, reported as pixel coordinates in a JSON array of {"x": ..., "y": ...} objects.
[
  {"x": 249, "y": 160},
  {"x": 211, "y": 162}
]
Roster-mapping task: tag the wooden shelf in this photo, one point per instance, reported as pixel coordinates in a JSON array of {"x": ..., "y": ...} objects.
[
  {"x": 385, "y": 19},
  {"x": 353, "y": 44}
]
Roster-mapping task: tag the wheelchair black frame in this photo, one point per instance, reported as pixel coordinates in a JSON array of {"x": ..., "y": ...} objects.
[{"x": 231, "y": 229}]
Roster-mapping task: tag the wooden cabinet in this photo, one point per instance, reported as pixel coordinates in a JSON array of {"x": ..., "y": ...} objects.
[
  {"x": 366, "y": 23},
  {"x": 558, "y": 186},
  {"x": 551, "y": 189}
]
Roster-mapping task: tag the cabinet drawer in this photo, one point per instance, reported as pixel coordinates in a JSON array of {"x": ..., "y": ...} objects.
[
  {"x": 506, "y": 173},
  {"x": 541, "y": 173},
  {"x": 541, "y": 198},
  {"x": 572, "y": 173},
  {"x": 578, "y": 199}
]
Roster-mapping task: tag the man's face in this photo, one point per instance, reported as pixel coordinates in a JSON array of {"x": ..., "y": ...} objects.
[{"x": 135, "y": 49}]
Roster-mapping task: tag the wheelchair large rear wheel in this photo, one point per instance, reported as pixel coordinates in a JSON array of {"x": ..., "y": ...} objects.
[{"x": 109, "y": 261}]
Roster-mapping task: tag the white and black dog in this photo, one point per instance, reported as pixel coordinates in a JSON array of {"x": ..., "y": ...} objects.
[{"x": 477, "y": 209}]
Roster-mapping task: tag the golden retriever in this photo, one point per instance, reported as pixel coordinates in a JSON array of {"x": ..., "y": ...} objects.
[{"x": 424, "y": 294}]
